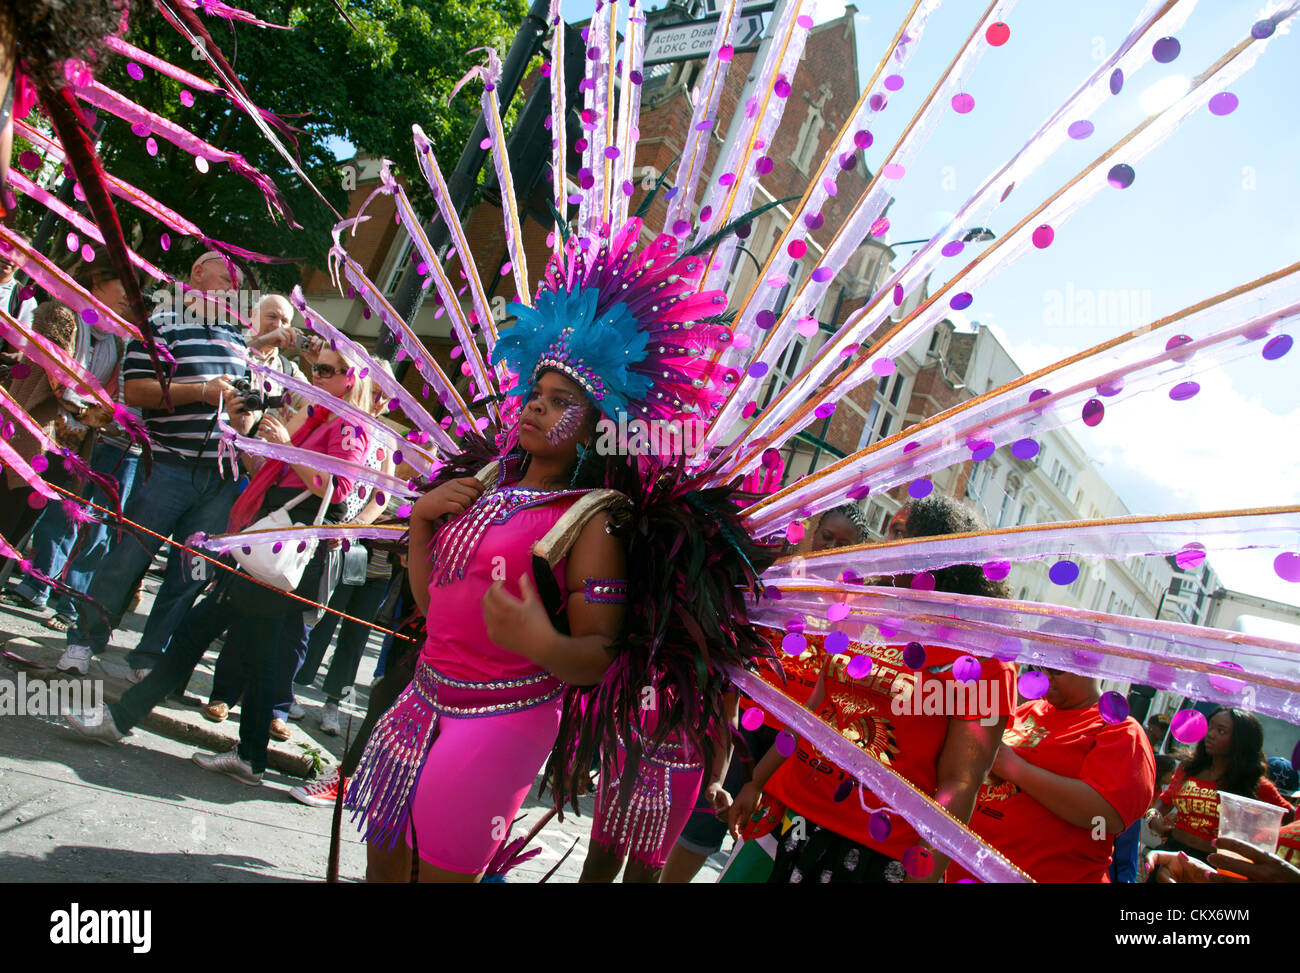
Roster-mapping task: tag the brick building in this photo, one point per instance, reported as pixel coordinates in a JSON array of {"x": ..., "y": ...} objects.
[{"x": 823, "y": 93}]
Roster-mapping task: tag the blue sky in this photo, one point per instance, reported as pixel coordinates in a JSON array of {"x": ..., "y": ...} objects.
[{"x": 1213, "y": 207}]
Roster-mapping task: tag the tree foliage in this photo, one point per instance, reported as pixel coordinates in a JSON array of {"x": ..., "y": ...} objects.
[{"x": 365, "y": 86}]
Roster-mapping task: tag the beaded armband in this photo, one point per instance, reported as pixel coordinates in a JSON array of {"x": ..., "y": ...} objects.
[{"x": 606, "y": 591}]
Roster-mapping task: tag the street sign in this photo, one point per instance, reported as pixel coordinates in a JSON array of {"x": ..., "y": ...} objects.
[
  {"x": 713, "y": 8},
  {"x": 685, "y": 42}
]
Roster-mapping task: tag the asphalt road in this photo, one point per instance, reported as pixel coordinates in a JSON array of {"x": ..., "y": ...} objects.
[{"x": 76, "y": 811}]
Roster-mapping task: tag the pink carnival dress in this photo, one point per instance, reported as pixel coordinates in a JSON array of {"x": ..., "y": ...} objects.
[{"x": 450, "y": 764}]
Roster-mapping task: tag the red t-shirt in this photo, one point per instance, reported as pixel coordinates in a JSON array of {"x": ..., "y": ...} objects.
[
  {"x": 1115, "y": 760},
  {"x": 1288, "y": 843},
  {"x": 1197, "y": 801},
  {"x": 800, "y": 673},
  {"x": 900, "y": 717}
]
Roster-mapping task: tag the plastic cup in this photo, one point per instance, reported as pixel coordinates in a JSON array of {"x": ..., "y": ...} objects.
[{"x": 1252, "y": 822}]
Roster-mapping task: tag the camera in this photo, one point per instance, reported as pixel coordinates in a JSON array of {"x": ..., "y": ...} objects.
[
  {"x": 252, "y": 398},
  {"x": 302, "y": 340}
]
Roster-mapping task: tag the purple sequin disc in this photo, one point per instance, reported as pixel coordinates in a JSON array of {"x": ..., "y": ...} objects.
[
  {"x": 1112, "y": 707},
  {"x": 1024, "y": 448},
  {"x": 1033, "y": 684},
  {"x": 859, "y": 666},
  {"x": 1188, "y": 726},
  {"x": 997, "y": 570},
  {"x": 1120, "y": 176},
  {"x": 1166, "y": 49},
  {"x": 879, "y": 826},
  {"x": 1287, "y": 566},
  {"x": 1063, "y": 573},
  {"x": 967, "y": 669},
  {"x": 1224, "y": 103}
]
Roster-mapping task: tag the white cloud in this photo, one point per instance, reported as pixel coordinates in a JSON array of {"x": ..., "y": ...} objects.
[
  {"x": 1029, "y": 355},
  {"x": 1221, "y": 450}
]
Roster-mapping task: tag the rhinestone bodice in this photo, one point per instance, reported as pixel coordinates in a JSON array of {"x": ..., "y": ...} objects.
[
  {"x": 491, "y": 541},
  {"x": 458, "y": 539}
]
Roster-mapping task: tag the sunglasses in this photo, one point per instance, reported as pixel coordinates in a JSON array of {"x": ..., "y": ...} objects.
[{"x": 324, "y": 371}]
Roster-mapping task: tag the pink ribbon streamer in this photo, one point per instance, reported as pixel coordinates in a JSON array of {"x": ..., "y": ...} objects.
[
  {"x": 342, "y": 265},
  {"x": 446, "y": 291},
  {"x": 53, "y": 359},
  {"x": 1187, "y": 535},
  {"x": 932, "y": 822},
  {"x": 358, "y": 473},
  {"x": 376, "y": 428},
  {"x": 762, "y": 117},
  {"x": 442, "y": 196},
  {"x": 109, "y": 100},
  {"x": 491, "y": 76},
  {"x": 597, "y": 122},
  {"x": 224, "y": 543},
  {"x": 143, "y": 201},
  {"x": 808, "y": 292},
  {"x": 10, "y": 458},
  {"x": 559, "y": 135},
  {"x": 707, "y": 95},
  {"x": 79, "y": 222},
  {"x": 1054, "y": 212},
  {"x": 1191, "y": 660},
  {"x": 1147, "y": 360},
  {"x": 629, "y": 117},
  {"x": 412, "y": 409},
  {"x": 215, "y": 8},
  {"x": 64, "y": 289},
  {"x": 25, "y": 420}
]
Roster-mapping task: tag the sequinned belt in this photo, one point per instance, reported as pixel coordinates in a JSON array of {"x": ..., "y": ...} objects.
[
  {"x": 385, "y": 779},
  {"x": 639, "y": 828}
]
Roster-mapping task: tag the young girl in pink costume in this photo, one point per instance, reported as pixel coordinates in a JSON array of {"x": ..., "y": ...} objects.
[
  {"x": 485, "y": 702},
  {"x": 515, "y": 618}
]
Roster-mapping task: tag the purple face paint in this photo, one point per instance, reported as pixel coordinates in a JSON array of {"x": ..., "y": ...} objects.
[{"x": 566, "y": 427}]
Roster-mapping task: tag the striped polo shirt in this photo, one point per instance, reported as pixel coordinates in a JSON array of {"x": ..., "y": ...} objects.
[{"x": 203, "y": 350}]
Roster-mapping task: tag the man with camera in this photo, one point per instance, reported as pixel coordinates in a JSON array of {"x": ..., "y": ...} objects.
[
  {"x": 272, "y": 314},
  {"x": 186, "y": 492}
]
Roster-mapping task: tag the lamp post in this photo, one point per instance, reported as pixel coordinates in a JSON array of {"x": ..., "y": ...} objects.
[{"x": 976, "y": 234}]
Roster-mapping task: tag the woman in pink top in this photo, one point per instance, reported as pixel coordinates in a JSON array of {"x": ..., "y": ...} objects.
[
  {"x": 613, "y": 352},
  {"x": 486, "y": 698}
]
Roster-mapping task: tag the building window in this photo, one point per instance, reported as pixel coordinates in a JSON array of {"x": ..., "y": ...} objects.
[
  {"x": 1007, "y": 501},
  {"x": 395, "y": 271},
  {"x": 805, "y": 149}
]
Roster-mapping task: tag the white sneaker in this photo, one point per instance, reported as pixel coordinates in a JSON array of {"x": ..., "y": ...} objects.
[
  {"x": 97, "y": 726},
  {"x": 138, "y": 675},
  {"x": 75, "y": 658},
  {"x": 231, "y": 764},
  {"x": 296, "y": 712},
  {"x": 329, "y": 719}
]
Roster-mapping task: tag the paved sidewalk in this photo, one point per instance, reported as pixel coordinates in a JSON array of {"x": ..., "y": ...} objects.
[{"x": 143, "y": 812}]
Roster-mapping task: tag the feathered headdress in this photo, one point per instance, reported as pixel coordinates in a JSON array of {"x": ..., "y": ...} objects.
[{"x": 632, "y": 328}]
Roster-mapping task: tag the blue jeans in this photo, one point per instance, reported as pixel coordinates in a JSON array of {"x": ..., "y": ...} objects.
[
  {"x": 55, "y": 535},
  {"x": 359, "y": 601},
  {"x": 256, "y": 641},
  {"x": 177, "y": 499}
]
